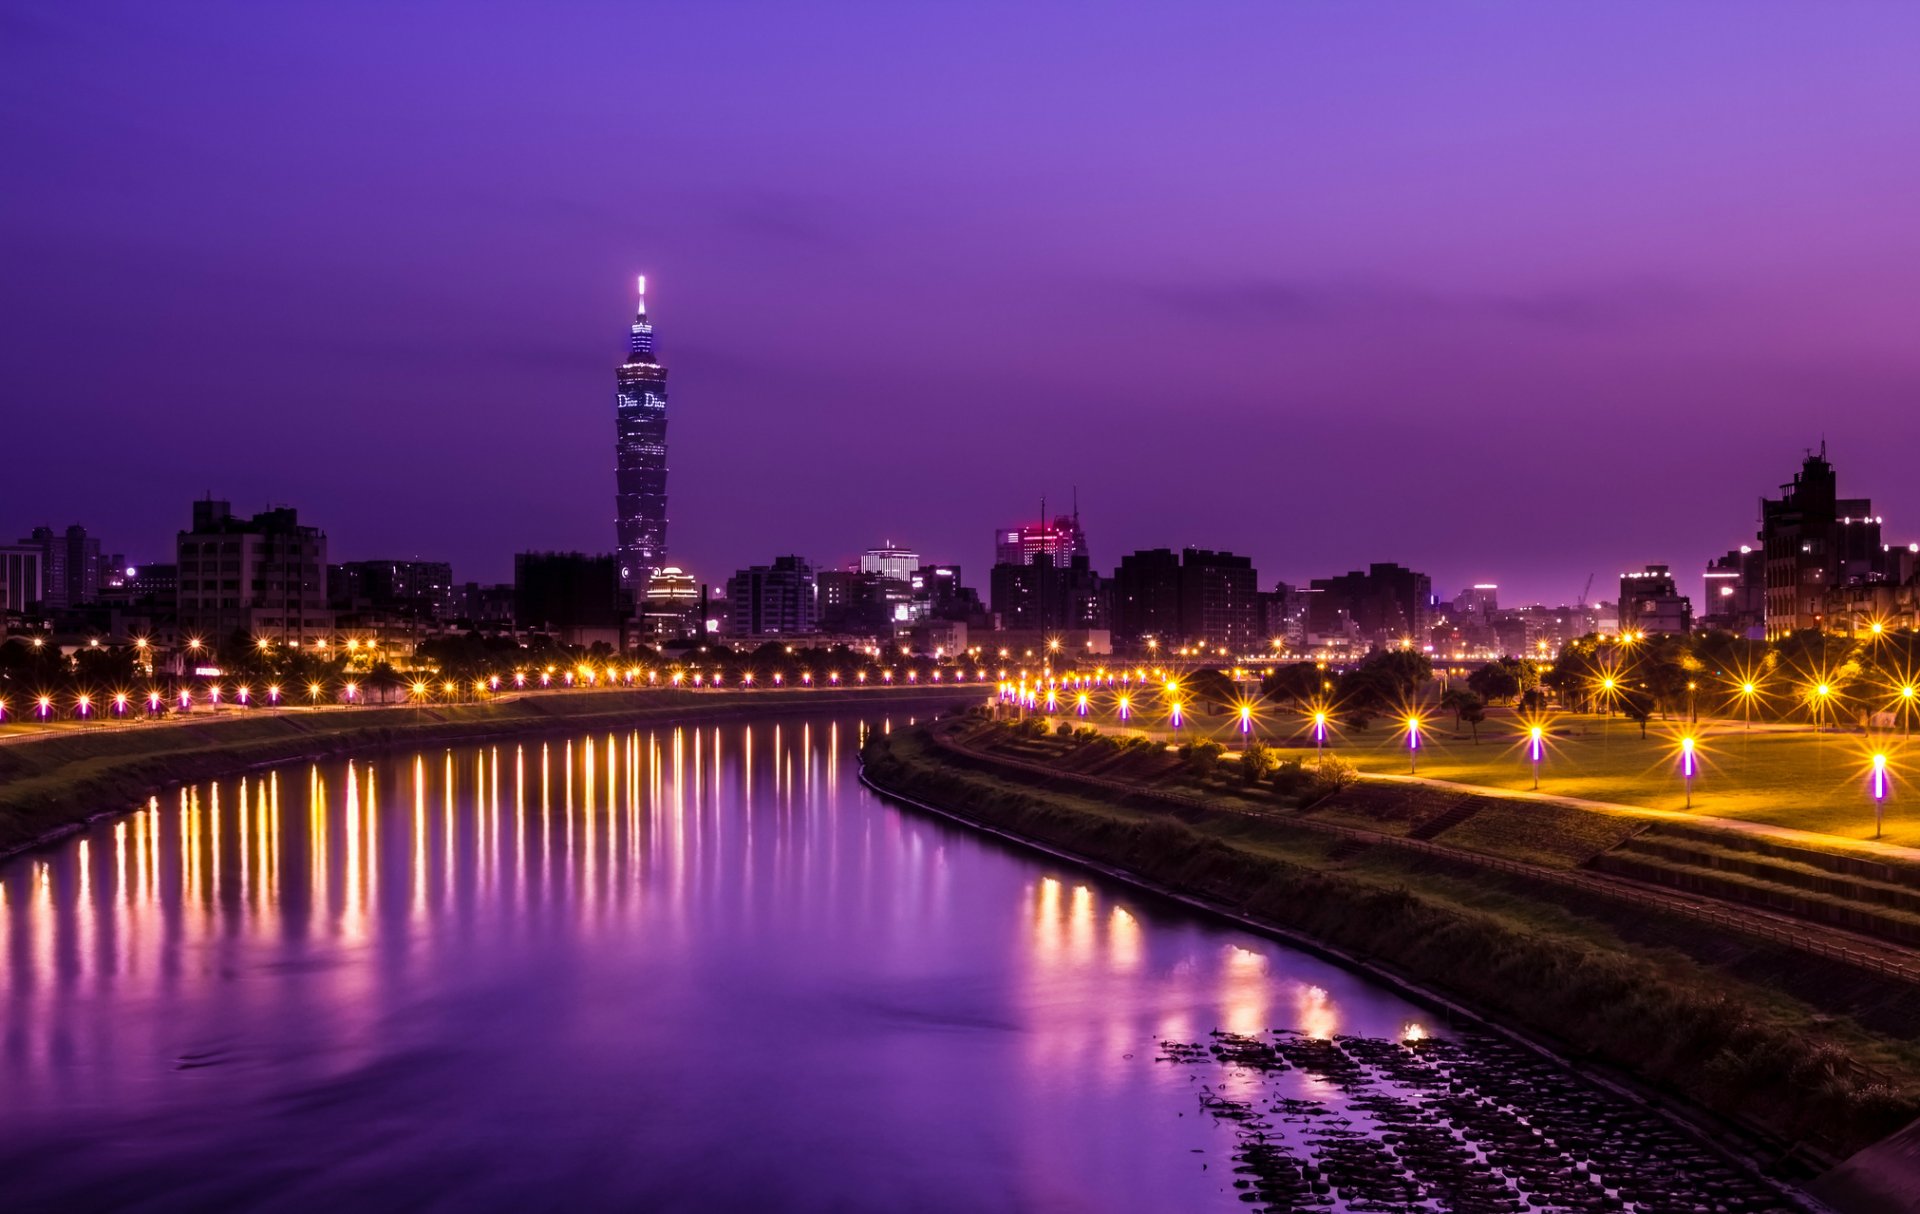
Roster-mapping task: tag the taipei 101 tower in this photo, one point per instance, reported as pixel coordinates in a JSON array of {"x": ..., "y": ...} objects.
[{"x": 640, "y": 458}]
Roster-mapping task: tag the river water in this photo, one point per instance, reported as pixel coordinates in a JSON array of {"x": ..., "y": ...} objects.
[{"x": 698, "y": 969}]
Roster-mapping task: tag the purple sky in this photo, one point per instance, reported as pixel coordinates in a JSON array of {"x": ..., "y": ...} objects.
[{"x": 1506, "y": 292}]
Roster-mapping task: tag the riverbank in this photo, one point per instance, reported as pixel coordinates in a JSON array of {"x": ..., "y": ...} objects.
[
  {"x": 1616, "y": 990},
  {"x": 54, "y": 785}
]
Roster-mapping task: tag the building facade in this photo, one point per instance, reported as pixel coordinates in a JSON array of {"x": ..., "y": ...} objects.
[
  {"x": 1062, "y": 540},
  {"x": 21, "y": 574},
  {"x": 640, "y": 458},
  {"x": 1735, "y": 593},
  {"x": 420, "y": 589},
  {"x": 780, "y": 599},
  {"x": 265, "y": 576},
  {"x": 1650, "y": 602},
  {"x": 70, "y": 566},
  {"x": 1814, "y": 541},
  {"x": 1385, "y": 606}
]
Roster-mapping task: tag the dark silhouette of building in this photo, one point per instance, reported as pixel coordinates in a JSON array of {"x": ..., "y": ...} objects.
[
  {"x": 780, "y": 599},
  {"x": 1200, "y": 597},
  {"x": 1736, "y": 593},
  {"x": 1219, "y": 600},
  {"x": 21, "y": 576},
  {"x": 422, "y": 590},
  {"x": 640, "y": 458},
  {"x": 1651, "y": 603},
  {"x": 1146, "y": 597},
  {"x": 939, "y": 594},
  {"x": 69, "y": 566},
  {"x": 574, "y": 596},
  {"x": 1049, "y": 598},
  {"x": 265, "y": 576},
  {"x": 1814, "y": 541},
  {"x": 855, "y": 601},
  {"x": 1388, "y": 605}
]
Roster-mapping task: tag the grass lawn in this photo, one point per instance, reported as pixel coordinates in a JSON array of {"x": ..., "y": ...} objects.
[{"x": 1792, "y": 778}]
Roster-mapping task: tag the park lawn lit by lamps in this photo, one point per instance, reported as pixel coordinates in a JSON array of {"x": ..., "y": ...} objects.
[{"x": 1789, "y": 777}]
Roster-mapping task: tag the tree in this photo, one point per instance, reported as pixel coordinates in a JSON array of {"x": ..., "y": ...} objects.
[
  {"x": 1637, "y": 705},
  {"x": 1256, "y": 761},
  {"x": 1212, "y": 686},
  {"x": 1202, "y": 757},
  {"x": 1457, "y": 700},
  {"x": 1295, "y": 683},
  {"x": 1500, "y": 679},
  {"x": 1474, "y": 713},
  {"x": 1401, "y": 671}
]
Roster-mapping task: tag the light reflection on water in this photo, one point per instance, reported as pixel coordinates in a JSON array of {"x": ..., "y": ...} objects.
[{"x": 673, "y": 968}]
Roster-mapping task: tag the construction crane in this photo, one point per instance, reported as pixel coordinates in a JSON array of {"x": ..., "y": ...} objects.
[{"x": 1584, "y": 593}]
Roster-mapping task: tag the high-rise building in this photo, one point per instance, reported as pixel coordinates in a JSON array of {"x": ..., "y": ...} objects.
[
  {"x": 1040, "y": 595},
  {"x": 1650, "y": 602},
  {"x": 1200, "y": 597},
  {"x": 1815, "y": 541},
  {"x": 774, "y": 600},
  {"x": 1735, "y": 598},
  {"x": 421, "y": 589},
  {"x": 855, "y": 601},
  {"x": 1480, "y": 599},
  {"x": 1386, "y": 606},
  {"x": 265, "y": 577},
  {"x": 1146, "y": 597},
  {"x": 570, "y": 595},
  {"x": 1061, "y": 539},
  {"x": 69, "y": 566},
  {"x": 640, "y": 458},
  {"x": 890, "y": 562},
  {"x": 21, "y": 569}
]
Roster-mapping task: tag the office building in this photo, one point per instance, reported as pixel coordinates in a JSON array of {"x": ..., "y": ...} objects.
[
  {"x": 571, "y": 596},
  {"x": 779, "y": 599},
  {"x": 1651, "y": 603},
  {"x": 1481, "y": 599},
  {"x": 1146, "y": 598},
  {"x": 1734, "y": 597},
  {"x": 1814, "y": 541},
  {"x": 422, "y": 590},
  {"x": 897, "y": 564},
  {"x": 1062, "y": 540},
  {"x": 1220, "y": 601},
  {"x": 674, "y": 604},
  {"x": 1386, "y": 606},
  {"x": 857, "y": 601},
  {"x": 263, "y": 577},
  {"x": 1041, "y": 596},
  {"x": 69, "y": 566},
  {"x": 640, "y": 458},
  {"x": 21, "y": 569}
]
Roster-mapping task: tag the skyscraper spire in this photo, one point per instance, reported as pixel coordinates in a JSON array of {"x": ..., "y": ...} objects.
[{"x": 640, "y": 455}]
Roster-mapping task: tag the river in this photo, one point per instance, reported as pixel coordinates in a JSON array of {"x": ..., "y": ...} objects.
[{"x": 702, "y": 969}]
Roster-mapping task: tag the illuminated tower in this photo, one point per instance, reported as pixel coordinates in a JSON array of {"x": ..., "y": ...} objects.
[{"x": 640, "y": 458}]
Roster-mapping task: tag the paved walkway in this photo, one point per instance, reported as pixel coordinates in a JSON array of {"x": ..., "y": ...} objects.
[{"x": 1866, "y": 847}]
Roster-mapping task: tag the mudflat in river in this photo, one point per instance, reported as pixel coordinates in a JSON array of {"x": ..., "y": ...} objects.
[{"x": 705, "y": 969}]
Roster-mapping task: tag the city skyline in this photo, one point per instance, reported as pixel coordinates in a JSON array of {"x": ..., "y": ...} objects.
[{"x": 1602, "y": 321}]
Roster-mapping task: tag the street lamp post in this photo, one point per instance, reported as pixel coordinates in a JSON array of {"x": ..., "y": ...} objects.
[
  {"x": 1880, "y": 782},
  {"x": 1536, "y": 742},
  {"x": 1413, "y": 745},
  {"x": 1689, "y": 763}
]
